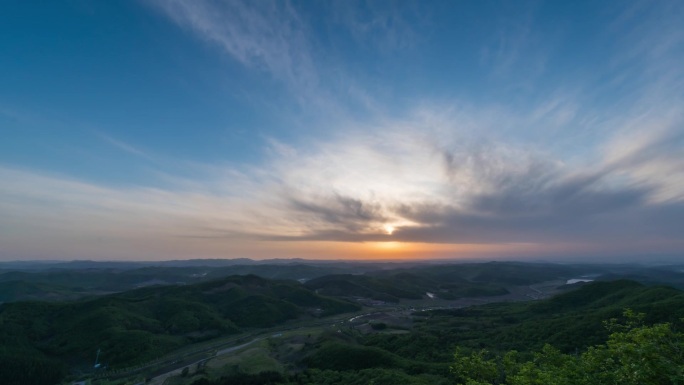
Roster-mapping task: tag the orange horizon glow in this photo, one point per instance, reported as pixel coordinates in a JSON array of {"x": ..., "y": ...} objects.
[{"x": 390, "y": 250}]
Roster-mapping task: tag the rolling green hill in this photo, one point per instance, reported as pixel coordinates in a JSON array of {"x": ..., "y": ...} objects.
[
  {"x": 139, "y": 325},
  {"x": 11, "y": 291},
  {"x": 569, "y": 321},
  {"x": 73, "y": 283}
]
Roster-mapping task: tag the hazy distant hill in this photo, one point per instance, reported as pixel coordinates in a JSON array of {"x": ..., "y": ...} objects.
[
  {"x": 63, "y": 284},
  {"x": 213, "y": 263},
  {"x": 384, "y": 281},
  {"x": 505, "y": 273},
  {"x": 392, "y": 287},
  {"x": 442, "y": 281},
  {"x": 381, "y": 280},
  {"x": 11, "y": 291}
]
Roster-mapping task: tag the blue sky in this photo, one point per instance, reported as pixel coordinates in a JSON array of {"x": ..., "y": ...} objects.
[{"x": 342, "y": 129}]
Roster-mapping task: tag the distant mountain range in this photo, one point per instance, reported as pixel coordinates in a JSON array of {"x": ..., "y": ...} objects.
[{"x": 59, "y": 281}]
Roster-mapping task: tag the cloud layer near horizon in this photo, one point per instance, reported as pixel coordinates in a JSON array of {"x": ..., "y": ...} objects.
[{"x": 424, "y": 177}]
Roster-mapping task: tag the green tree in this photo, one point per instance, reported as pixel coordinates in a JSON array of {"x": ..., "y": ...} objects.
[
  {"x": 475, "y": 369},
  {"x": 634, "y": 354}
]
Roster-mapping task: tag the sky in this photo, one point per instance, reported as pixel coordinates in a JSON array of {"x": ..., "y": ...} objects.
[{"x": 177, "y": 129}]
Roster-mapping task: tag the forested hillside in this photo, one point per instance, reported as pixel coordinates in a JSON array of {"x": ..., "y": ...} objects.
[
  {"x": 563, "y": 338},
  {"x": 393, "y": 341},
  {"x": 140, "y": 325}
]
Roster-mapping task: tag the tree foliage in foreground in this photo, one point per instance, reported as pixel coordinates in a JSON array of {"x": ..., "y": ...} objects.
[{"x": 633, "y": 355}]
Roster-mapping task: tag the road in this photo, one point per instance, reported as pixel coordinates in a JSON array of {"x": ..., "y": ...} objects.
[{"x": 161, "y": 379}]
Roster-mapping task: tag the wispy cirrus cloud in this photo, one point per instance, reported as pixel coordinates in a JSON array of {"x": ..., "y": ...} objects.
[
  {"x": 123, "y": 146},
  {"x": 386, "y": 26},
  {"x": 278, "y": 39},
  {"x": 265, "y": 36},
  {"x": 517, "y": 47}
]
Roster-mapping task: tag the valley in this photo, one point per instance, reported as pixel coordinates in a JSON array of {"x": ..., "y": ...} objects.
[{"x": 410, "y": 318}]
